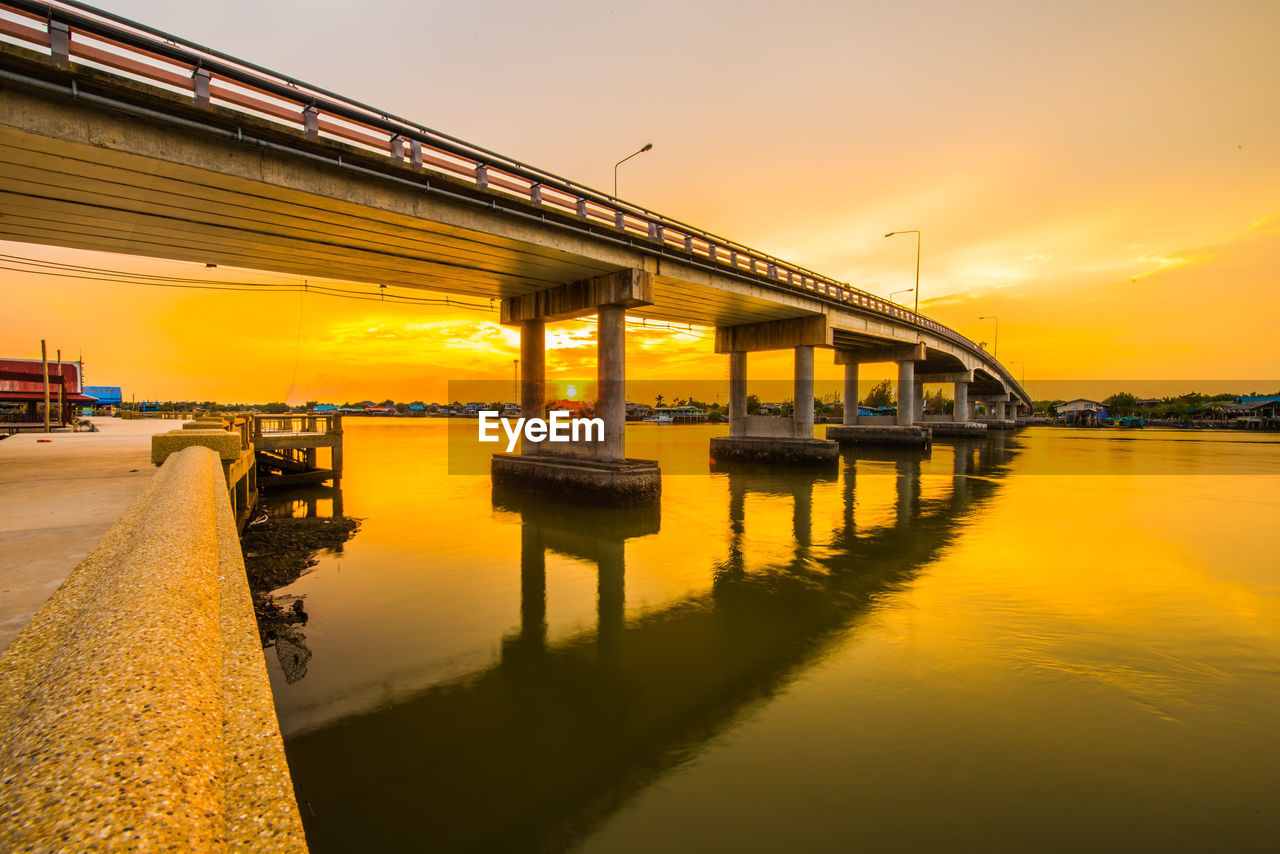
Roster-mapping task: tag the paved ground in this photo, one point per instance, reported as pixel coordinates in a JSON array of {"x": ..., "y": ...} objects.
[{"x": 57, "y": 499}]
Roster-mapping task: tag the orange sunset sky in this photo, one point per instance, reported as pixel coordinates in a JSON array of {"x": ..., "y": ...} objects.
[{"x": 1104, "y": 177}]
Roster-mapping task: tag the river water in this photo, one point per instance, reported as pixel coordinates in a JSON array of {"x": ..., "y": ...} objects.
[{"x": 1049, "y": 640}]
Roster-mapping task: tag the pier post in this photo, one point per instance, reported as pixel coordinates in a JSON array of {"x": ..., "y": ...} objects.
[
  {"x": 802, "y": 419},
  {"x": 962, "y": 402},
  {"x": 309, "y": 453},
  {"x": 851, "y": 393},
  {"x": 906, "y": 389},
  {"x": 611, "y": 379},
  {"x": 533, "y": 374},
  {"x": 738, "y": 393},
  {"x": 335, "y": 428}
]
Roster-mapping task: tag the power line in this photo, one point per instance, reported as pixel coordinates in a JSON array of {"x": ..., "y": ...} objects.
[{"x": 38, "y": 267}]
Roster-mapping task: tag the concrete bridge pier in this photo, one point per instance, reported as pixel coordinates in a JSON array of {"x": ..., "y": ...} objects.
[
  {"x": 765, "y": 438},
  {"x": 533, "y": 374},
  {"x": 596, "y": 472},
  {"x": 963, "y": 412},
  {"x": 857, "y": 430},
  {"x": 851, "y": 396},
  {"x": 997, "y": 412},
  {"x": 960, "y": 423}
]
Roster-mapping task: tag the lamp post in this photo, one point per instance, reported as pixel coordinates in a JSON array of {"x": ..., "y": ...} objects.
[
  {"x": 647, "y": 146},
  {"x": 903, "y": 291},
  {"x": 916, "y": 232},
  {"x": 995, "y": 346}
]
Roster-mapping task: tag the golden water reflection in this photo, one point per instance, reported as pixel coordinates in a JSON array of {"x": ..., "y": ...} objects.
[{"x": 801, "y": 661}]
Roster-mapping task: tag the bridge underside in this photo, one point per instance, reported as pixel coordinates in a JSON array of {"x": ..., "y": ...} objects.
[
  {"x": 147, "y": 173},
  {"x": 76, "y": 175}
]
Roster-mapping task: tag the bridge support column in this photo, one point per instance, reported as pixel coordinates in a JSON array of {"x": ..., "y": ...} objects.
[
  {"x": 1000, "y": 410},
  {"x": 906, "y": 392},
  {"x": 766, "y": 439},
  {"x": 802, "y": 419},
  {"x": 917, "y": 400},
  {"x": 533, "y": 374},
  {"x": 962, "y": 411},
  {"x": 611, "y": 362},
  {"x": 850, "y": 394},
  {"x": 596, "y": 472},
  {"x": 738, "y": 393},
  {"x": 904, "y": 432}
]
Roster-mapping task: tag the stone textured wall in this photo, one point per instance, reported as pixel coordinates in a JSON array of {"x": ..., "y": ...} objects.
[{"x": 135, "y": 712}]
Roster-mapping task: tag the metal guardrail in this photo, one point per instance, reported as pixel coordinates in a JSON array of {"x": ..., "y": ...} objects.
[{"x": 103, "y": 40}]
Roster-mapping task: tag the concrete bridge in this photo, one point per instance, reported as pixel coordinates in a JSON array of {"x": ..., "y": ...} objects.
[{"x": 117, "y": 137}]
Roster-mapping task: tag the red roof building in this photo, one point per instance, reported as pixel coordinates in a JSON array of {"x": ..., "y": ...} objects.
[{"x": 22, "y": 382}]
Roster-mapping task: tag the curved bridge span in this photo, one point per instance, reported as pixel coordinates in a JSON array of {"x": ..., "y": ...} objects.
[{"x": 115, "y": 136}]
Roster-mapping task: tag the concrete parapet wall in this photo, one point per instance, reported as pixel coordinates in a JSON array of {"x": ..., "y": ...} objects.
[
  {"x": 908, "y": 436},
  {"x": 227, "y": 445},
  {"x": 135, "y": 711}
]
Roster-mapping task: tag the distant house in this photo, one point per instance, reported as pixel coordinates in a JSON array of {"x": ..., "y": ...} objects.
[
  {"x": 1081, "y": 412},
  {"x": 1260, "y": 412},
  {"x": 22, "y": 390},
  {"x": 1148, "y": 401},
  {"x": 325, "y": 408},
  {"x": 770, "y": 408},
  {"x": 638, "y": 411}
]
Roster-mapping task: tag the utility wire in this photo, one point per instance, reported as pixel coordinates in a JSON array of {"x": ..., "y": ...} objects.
[{"x": 382, "y": 295}]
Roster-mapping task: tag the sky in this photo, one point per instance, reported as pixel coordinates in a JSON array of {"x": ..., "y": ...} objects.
[{"x": 1103, "y": 177}]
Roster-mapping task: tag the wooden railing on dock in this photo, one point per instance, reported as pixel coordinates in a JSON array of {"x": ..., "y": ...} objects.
[{"x": 286, "y": 447}]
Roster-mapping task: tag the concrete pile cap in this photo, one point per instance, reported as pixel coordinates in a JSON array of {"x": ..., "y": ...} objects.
[{"x": 226, "y": 444}]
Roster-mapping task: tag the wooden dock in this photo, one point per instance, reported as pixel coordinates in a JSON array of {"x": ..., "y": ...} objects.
[{"x": 287, "y": 449}]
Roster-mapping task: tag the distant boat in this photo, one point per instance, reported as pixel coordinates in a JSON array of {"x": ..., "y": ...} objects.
[{"x": 661, "y": 418}]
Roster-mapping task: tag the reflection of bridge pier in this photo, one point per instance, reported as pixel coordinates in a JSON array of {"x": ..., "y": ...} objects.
[
  {"x": 592, "y": 534},
  {"x": 767, "y": 480}
]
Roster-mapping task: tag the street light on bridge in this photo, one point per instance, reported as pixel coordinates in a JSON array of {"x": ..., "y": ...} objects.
[
  {"x": 916, "y": 232},
  {"x": 995, "y": 347},
  {"x": 903, "y": 291},
  {"x": 647, "y": 146}
]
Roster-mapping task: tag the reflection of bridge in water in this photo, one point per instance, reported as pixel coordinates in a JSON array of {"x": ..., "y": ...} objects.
[{"x": 536, "y": 750}]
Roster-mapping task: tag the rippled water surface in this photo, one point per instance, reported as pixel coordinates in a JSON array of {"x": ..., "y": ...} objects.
[{"x": 1052, "y": 640}]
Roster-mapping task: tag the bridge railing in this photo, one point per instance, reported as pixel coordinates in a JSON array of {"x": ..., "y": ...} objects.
[{"x": 71, "y": 30}]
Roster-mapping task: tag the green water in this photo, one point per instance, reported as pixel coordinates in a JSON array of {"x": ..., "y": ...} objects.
[{"x": 1054, "y": 640}]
